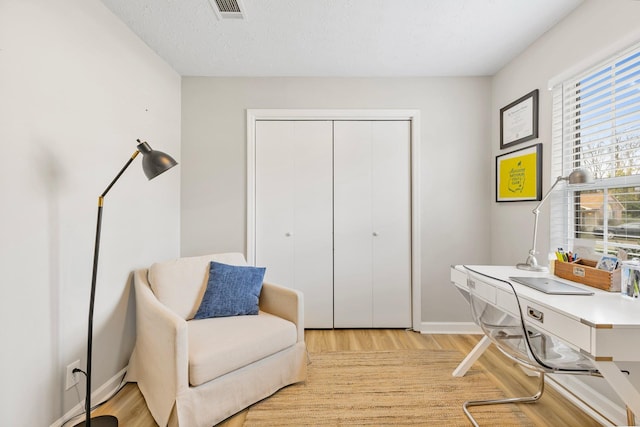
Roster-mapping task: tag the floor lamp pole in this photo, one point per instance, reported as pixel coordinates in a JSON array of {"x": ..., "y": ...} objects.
[
  {"x": 154, "y": 163},
  {"x": 103, "y": 420}
]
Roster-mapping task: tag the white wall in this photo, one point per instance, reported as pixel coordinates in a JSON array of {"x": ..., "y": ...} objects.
[
  {"x": 587, "y": 34},
  {"x": 594, "y": 31},
  {"x": 454, "y": 161},
  {"x": 76, "y": 89}
]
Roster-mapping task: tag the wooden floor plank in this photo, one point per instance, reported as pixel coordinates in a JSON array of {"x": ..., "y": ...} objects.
[{"x": 129, "y": 406}]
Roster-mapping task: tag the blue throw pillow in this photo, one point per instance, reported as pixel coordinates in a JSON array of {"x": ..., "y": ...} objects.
[{"x": 231, "y": 291}]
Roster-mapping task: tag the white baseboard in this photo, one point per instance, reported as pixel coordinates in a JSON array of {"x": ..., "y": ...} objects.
[
  {"x": 587, "y": 398},
  {"x": 449, "y": 328},
  {"x": 102, "y": 393}
]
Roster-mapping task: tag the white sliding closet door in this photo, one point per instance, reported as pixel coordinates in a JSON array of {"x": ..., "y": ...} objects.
[
  {"x": 294, "y": 211},
  {"x": 372, "y": 224}
]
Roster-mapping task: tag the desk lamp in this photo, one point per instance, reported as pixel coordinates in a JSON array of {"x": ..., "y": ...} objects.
[
  {"x": 578, "y": 176},
  {"x": 153, "y": 164}
]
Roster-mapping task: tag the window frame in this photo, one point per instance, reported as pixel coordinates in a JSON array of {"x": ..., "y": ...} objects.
[{"x": 567, "y": 143}]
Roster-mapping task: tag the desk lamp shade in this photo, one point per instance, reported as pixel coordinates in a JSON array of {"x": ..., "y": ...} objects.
[
  {"x": 578, "y": 176},
  {"x": 153, "y": 164}
]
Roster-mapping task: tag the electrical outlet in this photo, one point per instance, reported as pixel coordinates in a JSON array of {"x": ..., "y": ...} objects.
[{"x": 72, "y": 379}]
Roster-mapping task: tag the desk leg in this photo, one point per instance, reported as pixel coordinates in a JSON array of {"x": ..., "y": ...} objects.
[
  {"x": 621, "y": 384},
  {"x": 473, "y": 355}
]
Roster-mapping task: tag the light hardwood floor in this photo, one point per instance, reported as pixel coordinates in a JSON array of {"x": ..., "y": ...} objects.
[{"x": 552, "y": 409}]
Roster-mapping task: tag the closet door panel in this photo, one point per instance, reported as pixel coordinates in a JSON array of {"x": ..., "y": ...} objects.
[
  {"x": 391, "y": 207},
  {"x": 294, "y": 211},
  {"x": 372, "y": 234},
  {"x": 275, "y": 200},
  {"x": 352, "y": 224},
  {"x": 313, "y": 220}
]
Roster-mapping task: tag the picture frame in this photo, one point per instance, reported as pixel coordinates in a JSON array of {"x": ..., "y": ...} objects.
[
  {"x": 519, "y": 175},
  {"x": 519, "y": 120}
]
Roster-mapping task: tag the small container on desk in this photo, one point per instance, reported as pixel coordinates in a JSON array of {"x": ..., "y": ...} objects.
[
  {"x": 584, "y": 271},
  {"x": 630, "y": 280}
]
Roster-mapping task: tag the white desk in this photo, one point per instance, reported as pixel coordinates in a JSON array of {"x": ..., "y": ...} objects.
[{"x": 605, "y": 326}]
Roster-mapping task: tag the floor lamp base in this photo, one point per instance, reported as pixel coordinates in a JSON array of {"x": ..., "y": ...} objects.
[{"x": 101, "y": 421}]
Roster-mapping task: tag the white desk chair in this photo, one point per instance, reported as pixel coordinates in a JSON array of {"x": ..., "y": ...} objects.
[{"x": 522, "y": 343}]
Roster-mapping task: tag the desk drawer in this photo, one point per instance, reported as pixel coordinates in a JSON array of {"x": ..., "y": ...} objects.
[
  {"x": 548, "y": 320},
  {"x": 459, "y": 277},
  {"x": 484, "y": 290}
]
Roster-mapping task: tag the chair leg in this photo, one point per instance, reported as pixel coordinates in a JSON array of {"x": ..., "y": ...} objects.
[{"x": 531, "y": 399}]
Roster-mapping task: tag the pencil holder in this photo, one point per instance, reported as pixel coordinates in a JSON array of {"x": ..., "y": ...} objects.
[{"x": 584, "y": 271}]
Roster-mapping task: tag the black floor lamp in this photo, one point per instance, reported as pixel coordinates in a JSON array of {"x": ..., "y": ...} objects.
[{"x": 153, "y": 163}]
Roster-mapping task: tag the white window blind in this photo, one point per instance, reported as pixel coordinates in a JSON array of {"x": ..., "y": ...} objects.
[{"x": 596, "y": 126}]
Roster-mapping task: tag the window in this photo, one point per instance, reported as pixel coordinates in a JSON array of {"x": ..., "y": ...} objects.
[{"x": 596, "y": 126}]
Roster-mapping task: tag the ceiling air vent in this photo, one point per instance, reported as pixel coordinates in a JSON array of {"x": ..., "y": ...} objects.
[{"x": 228, "y": 9}]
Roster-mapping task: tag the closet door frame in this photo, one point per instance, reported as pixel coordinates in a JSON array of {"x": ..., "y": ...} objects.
[{"x": 413, "y": 116}]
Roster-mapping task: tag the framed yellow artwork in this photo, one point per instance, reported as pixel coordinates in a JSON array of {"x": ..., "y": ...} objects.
[{"x": 519, "y": 175}]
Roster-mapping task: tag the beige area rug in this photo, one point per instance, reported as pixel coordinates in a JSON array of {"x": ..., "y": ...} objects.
[{"x": 384, "y": 388}]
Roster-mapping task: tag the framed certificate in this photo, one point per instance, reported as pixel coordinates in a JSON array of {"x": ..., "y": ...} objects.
[
  {"x": 519, "y": 120},
  {"x": 519, "y": 175}
]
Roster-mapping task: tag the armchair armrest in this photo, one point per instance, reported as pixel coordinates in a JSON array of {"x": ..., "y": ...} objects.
[
  {"x": 284, "y": 302},
  {"x": 159, "y": 362}
]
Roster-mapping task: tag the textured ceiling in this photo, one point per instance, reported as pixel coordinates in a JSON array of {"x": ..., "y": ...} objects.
[{"x": 342, "y": 38}]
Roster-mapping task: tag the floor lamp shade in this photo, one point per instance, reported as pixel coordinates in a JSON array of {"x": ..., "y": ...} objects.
[
  {"x": 153, "y": 163},
  {"x": 578, "y": 176}
]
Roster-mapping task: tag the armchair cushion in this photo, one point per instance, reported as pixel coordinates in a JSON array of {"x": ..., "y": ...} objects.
[
  {"x": 231, "y": 291},
  {"x": 180, "y": 284},
  {"x": 223, "y": 344}
]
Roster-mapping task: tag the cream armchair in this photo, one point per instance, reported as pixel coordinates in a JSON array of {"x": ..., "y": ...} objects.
[{"x": 196, "y": 373}]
